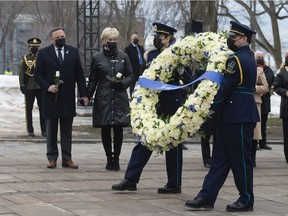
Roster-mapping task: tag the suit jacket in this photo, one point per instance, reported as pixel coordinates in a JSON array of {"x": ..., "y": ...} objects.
[
  {"x": 62, "y": 104},
  {"x": 281, "y": 88},
  {"x": 133, "y": 56},
  {"x": 266, "y": 98}
]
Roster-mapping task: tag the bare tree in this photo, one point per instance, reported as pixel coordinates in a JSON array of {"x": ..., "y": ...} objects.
[
  {"x": 122, "y": 15},
  {"x": 50, "y": 14},
  {"x": 205, "y": 11},
  {"x": 255, "y": 12},
  {"x": 9, "y": 12}
]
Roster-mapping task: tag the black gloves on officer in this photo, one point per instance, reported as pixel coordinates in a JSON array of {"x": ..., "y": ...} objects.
[
  {"x": 23, "y": 89},
  {"x": 117, "y": 86}
]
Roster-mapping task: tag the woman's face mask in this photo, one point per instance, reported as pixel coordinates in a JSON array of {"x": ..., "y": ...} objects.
[
  {"x": 260, "y": 61},
  {"x": 112, "y": 46},
  {"x": 157, "y": 42}
]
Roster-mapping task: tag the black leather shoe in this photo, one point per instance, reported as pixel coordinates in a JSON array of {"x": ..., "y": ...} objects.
[
  {"x": 169, "y": 190},
  {"x": 43, "y": 134},
  {"x": 125, "y": 184},
  {"x": 109, "y": 166},
  {"x": 208, "y": 165},
  {"x": 238, "y": 207},
  {"x": 266, "y": 147},
  {"x": 199, "y": 203}
]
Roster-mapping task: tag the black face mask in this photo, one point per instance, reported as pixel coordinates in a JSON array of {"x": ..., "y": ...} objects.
[
  {"x": 286, "y": 60},
  {"x": 136, "y": 41},
  {"x": 112, "y": 46},
  {"x": 60, "y": 42},
  {"x": 260, "y": 61},
  {"x": 158, "y": 43},
  {"x": 231, "y": 44},
  {"x": 34, "y": 49}
]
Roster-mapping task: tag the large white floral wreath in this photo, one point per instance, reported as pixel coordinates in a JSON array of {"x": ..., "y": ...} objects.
[{"x": 162, "y": 134}]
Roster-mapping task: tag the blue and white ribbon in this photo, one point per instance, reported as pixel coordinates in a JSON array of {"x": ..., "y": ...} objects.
[{"x": 156, "y": 85}]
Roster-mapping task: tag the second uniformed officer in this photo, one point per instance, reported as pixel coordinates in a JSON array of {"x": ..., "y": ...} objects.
[
  {"x": 169, "y": 102},
  {"x": 237, "y": 120},
  {"x": 29, "y": 87}
]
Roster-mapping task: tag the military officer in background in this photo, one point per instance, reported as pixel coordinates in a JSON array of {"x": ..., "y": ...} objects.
[
  {"x": 29, "y": 87},
  {"x": 169, "y": 102},
  {"x": 237, "y": 119}
]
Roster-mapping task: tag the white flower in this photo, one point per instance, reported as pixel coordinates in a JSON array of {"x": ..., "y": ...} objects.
[
  {"x": 159, "y": 134},
  {"x": 57, "y": 74},
  {"x": 119, "y": 75}
]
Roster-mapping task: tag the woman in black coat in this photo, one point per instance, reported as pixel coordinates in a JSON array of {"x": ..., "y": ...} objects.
[
  {"x": 281, "y": 88},
  {"x": 110, "y": 75}
]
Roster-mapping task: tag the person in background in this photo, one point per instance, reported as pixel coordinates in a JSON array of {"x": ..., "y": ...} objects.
[
  {"x": 169, "y": 102},
  {"x": 30, "y": 88},
  {"x": 261, "y": 88},
  {"x": 110, "y": 75},
  {"x": 58, "y": 69},
  {"x": 237, "y": 119},
  {"x": 281, "y": 88},
  {"x": 266, "y": 98},
  {"x": 8, "y": 72},
  {"x": 135, "y": 53}
]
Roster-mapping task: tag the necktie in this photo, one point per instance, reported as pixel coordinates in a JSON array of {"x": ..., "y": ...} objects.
[
  {"x": 60, "y": 56},
  {"x": 139, "y": 56}
]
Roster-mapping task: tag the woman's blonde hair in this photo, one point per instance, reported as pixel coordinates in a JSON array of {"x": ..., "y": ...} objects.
[{"x": 109, "y": 33}]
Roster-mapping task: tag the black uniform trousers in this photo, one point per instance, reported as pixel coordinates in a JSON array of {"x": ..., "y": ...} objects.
[
  {"x": 285, "y": 135},
  {"x": 66, "y": 138},
  {"x": 140, "y": 156},
  {"x": 30, "y": 96},
  {"x": 205, "y": 148},
  {"x": 231, "y": 150}
]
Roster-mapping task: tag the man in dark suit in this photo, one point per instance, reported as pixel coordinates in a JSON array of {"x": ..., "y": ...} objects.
[
  {"x": 135, "y": 53},
  {"x": 237, "y": 120},
  {"x": 55, "y": 64},
  {"x": 169, "y": 102}
]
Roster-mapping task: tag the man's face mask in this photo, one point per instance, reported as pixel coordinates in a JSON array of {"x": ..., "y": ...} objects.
[
  {"x": 60, "y": 42},
  {"x": 136, "y": 41},
  {"x": 34, "y": 49},
  {"x": 231, "y": 44}
]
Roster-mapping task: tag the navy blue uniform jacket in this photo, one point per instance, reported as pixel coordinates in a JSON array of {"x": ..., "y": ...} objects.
[
  {"x": 71, "y": 73},
  {"x": 235, "y": 96}
]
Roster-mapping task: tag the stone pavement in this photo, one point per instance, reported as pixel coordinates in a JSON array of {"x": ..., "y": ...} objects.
[{"x": 28, "y": 188}]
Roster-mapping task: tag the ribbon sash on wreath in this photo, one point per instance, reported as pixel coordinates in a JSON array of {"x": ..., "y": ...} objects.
[{"x": 152, "y": 84}]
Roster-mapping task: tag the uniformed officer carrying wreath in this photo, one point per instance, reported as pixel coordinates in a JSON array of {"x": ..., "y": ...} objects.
[
  {"x": 237, "y": 119},
  {"x": 29, "y": 87}
]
